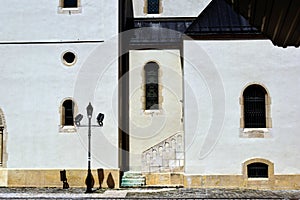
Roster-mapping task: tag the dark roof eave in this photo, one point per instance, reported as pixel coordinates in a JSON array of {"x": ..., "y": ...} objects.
[
  {"x": 277, "y": 19},
  {"x": 225, "y": 36}
]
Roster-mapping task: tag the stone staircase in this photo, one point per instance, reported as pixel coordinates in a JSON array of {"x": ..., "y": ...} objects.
[
  {"x": 133, "y": 179},
  {"x": 166, "y": 156}
]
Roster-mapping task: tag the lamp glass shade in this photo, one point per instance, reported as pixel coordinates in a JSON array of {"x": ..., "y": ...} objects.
[{"x": 89, "y": 110}]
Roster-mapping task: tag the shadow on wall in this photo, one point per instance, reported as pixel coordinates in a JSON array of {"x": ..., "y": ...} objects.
[
  {"x": 109, "y": 181},
  {"x": 63, "y": 178},
  {"x": 100, "y": 177}
]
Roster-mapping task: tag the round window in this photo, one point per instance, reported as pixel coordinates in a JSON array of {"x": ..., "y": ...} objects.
[{"x": 69, "y": 58}]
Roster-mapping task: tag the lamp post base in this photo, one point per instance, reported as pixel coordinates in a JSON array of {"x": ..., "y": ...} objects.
[{"x": 89, "y": 181}]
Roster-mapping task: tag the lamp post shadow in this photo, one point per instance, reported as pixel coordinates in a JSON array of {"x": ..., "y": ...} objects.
[{"x": 89, "y": 181}]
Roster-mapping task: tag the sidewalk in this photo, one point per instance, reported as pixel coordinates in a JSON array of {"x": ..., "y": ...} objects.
[{"x": 144, "y": 193}]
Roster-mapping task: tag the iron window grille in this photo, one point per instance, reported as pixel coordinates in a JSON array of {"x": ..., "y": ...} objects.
[
  {"x": 255, "y": 107},
  {"x": 257, "y": 170},
  {"x": 68, "y": 113},
  {"x": 152, "y": 88},
  {"x": 153, "y": 7}
]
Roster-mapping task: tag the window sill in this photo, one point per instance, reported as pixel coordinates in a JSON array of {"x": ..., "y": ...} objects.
[
  {"x": 255, "y": 133},
  {"x": 258, "y": 179},
  {"x": 152, "y": 112},
  {"x": 62, "y": 10},
  {"x": 67, "y": 129},
  {"x": 152, "y": 15}
]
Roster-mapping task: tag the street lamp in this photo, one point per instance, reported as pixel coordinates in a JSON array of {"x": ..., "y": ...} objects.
[{"x": 89, "y": 181}]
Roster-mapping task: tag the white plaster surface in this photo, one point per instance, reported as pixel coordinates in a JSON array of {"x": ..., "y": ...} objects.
[
  {"x": 34, "y": 84},
  {"x": 39, "y": 21},
  {"x": 235, "y": 64}
]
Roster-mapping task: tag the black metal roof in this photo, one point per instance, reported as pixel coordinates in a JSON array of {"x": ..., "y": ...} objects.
[
  {"x": 219, "y": 20},
  {"x": 159, "y": 32},
  {"x": 279, "y": 20},
  {"x": 176, "y": 24}
]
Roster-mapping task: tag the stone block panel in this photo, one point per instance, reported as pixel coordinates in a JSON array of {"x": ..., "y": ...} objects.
[
  {"x": 3, "y": 177},
  {"x": 278, "y": 182},
  {"x": 51, "y": 178},
  {"x": 166, "y": 156}
]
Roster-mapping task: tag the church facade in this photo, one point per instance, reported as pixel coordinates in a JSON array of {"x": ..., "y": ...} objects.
[{"x": 193, "y": 95}]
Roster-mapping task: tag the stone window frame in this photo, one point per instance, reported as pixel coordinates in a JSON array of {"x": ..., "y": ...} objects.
[
  {"x": 63, "y": 128},
  {"x": 62, "y": 10},
  {"x": 258, "y": 160},
  {"x": 256, "y": 132},
  {"x": 146, "y": 8},
  {"x": 3, "y": 140},
  {"x": 160, "y": 88}
]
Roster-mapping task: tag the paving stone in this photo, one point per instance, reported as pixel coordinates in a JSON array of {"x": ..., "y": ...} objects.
[
  {"x": 148, "y": 193},
  {"x": 219, "y": 193}
]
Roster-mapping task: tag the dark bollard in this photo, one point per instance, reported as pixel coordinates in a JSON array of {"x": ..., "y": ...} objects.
[
  {"x": 63, "y": 178},
  {"x": 100, "y": 177}
]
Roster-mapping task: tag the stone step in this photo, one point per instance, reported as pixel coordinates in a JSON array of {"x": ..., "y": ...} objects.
[
  {"x": 133, "y": 179},
  {"x": 132, "y": 183},
  {"x": 132, "y": 174}
]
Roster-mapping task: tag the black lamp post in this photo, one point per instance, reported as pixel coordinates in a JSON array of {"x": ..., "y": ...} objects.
[{"x": 89, "y": 181}]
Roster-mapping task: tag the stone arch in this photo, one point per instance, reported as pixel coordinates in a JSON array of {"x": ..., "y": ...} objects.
[
  {"x": 66, "y": 127},
  {"x": 259, "y": 160},
  {"x": 267, "y": 105}
]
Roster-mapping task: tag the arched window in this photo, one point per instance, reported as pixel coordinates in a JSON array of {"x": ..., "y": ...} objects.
[
  {"x": 68, "y": 113},
  {"x": 151, "y": 86},
  {"x": 254, "y": 107},
  {"x": 257, "y": 170},
  {"x": 153, "y": 6}
]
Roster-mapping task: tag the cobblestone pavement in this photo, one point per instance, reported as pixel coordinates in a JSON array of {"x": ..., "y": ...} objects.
[
  {"x": 221, "y": 194},
  {"x": 145, "y": 193}
]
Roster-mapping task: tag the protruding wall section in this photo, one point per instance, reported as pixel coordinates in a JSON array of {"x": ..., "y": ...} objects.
[{"x": 149, "y": 127}]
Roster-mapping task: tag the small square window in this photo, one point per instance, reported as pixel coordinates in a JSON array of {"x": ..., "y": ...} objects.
[
  {"x": 69, "y": 7},
  {"x": 153, "y": 7},
  {"x": 70, "y": 4}
]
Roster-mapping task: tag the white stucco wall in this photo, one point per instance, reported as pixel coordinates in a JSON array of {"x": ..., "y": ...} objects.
[
  {"x": 216, "y": 73},
  {"x": 34, "y": 82},
  {"x": 149, "y": 128},
  {"x": 172, "y": 8},
  {"x": 39, "y": 20}
]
